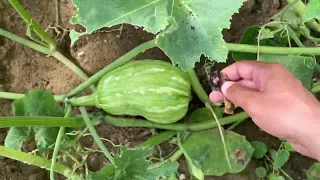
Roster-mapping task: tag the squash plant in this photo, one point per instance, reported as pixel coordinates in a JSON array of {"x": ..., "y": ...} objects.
[{"x": 157, "y": 92}]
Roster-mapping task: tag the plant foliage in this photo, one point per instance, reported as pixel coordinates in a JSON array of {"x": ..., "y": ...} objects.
[
  {"x": 260, "y": 149},
  {"x": 196, "y": 24},
  {"x": 34, "y": 103},
  {"x": 132, "y": 164}
]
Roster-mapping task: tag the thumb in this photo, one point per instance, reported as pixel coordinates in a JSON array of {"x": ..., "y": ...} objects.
[{"x": 240, "y": 95}]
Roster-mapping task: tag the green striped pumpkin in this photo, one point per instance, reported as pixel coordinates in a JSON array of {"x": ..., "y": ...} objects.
[{"x": 153, "y": 89}]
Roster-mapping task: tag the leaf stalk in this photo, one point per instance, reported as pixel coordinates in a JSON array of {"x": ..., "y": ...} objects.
[
  {"x": 32, "y": 24},
  {"x": 25, "y": 42}
]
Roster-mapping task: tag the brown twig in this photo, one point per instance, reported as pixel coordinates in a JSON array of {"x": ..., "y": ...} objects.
[{"x": 228, "y": 105}]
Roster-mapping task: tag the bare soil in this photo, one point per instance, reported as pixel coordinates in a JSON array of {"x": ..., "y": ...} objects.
[{"x": 23, "y": 69}]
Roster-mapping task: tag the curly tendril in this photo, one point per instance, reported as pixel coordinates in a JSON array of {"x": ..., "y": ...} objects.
[{"x": 310, "y": 63}]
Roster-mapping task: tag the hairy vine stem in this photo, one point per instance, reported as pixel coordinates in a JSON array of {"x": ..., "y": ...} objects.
[
  {"x": 273, "y": 50},
  {"x": 41, "y": 162},
  {"x": 197, "y": 87},
  {"x": 25, "y": 42}
]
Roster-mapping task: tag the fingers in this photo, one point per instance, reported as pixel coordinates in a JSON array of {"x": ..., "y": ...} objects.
[
  {"x": 241, "y": 95},
  {"x": 216, "y": 96},
  {"x": 243, "y": 70}
]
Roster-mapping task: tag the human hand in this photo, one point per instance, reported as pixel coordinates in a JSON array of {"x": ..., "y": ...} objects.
[{"x": 276, "y": 101}]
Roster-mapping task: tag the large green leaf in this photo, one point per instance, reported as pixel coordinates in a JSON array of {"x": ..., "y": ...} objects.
[
  {"x": 200, "y": 23},
  {"x": 312, "y": 10},
  {"x": 191, "y": 27},
  {"x": 313, "y": 172},
  {"x": 300, "y": 66},
  {"x": 96, "y": 14},
  {"x": 34, "y": 103},
  {"x": 207, "y": 151},
  {"x": 132, "y": 164}
]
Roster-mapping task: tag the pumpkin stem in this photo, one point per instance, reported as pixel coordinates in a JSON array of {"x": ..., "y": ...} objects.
[{"x": 88, "y": 100}]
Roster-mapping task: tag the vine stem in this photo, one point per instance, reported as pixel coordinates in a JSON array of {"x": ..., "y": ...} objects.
[
  {"x": 176, "y": 155},
  {"x": 95, "y": 135},
  {"x": 122, "y": 60},
  {"x": 198, "y": 89},
  {"x": 158, "y": 139},
  {"x": 12, "y": 121},
  {"x": 273, "y": 50},
  {"x": 41, "y": 162},
  {"x": 34, "y": 25},
  {"x": 58, "y": 143},
  {"x": 14, "y": 96},
  {"x": 125, "y": 122},
  {"x": 25, "y": 42},
  {"x": 299, "y": 7}
]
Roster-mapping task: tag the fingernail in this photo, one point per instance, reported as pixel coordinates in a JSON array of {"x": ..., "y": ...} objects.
[{"x": 225, "y": 87}]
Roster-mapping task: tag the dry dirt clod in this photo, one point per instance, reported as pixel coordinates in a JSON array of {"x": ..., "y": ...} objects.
[{"x": 3, "y": 52}]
